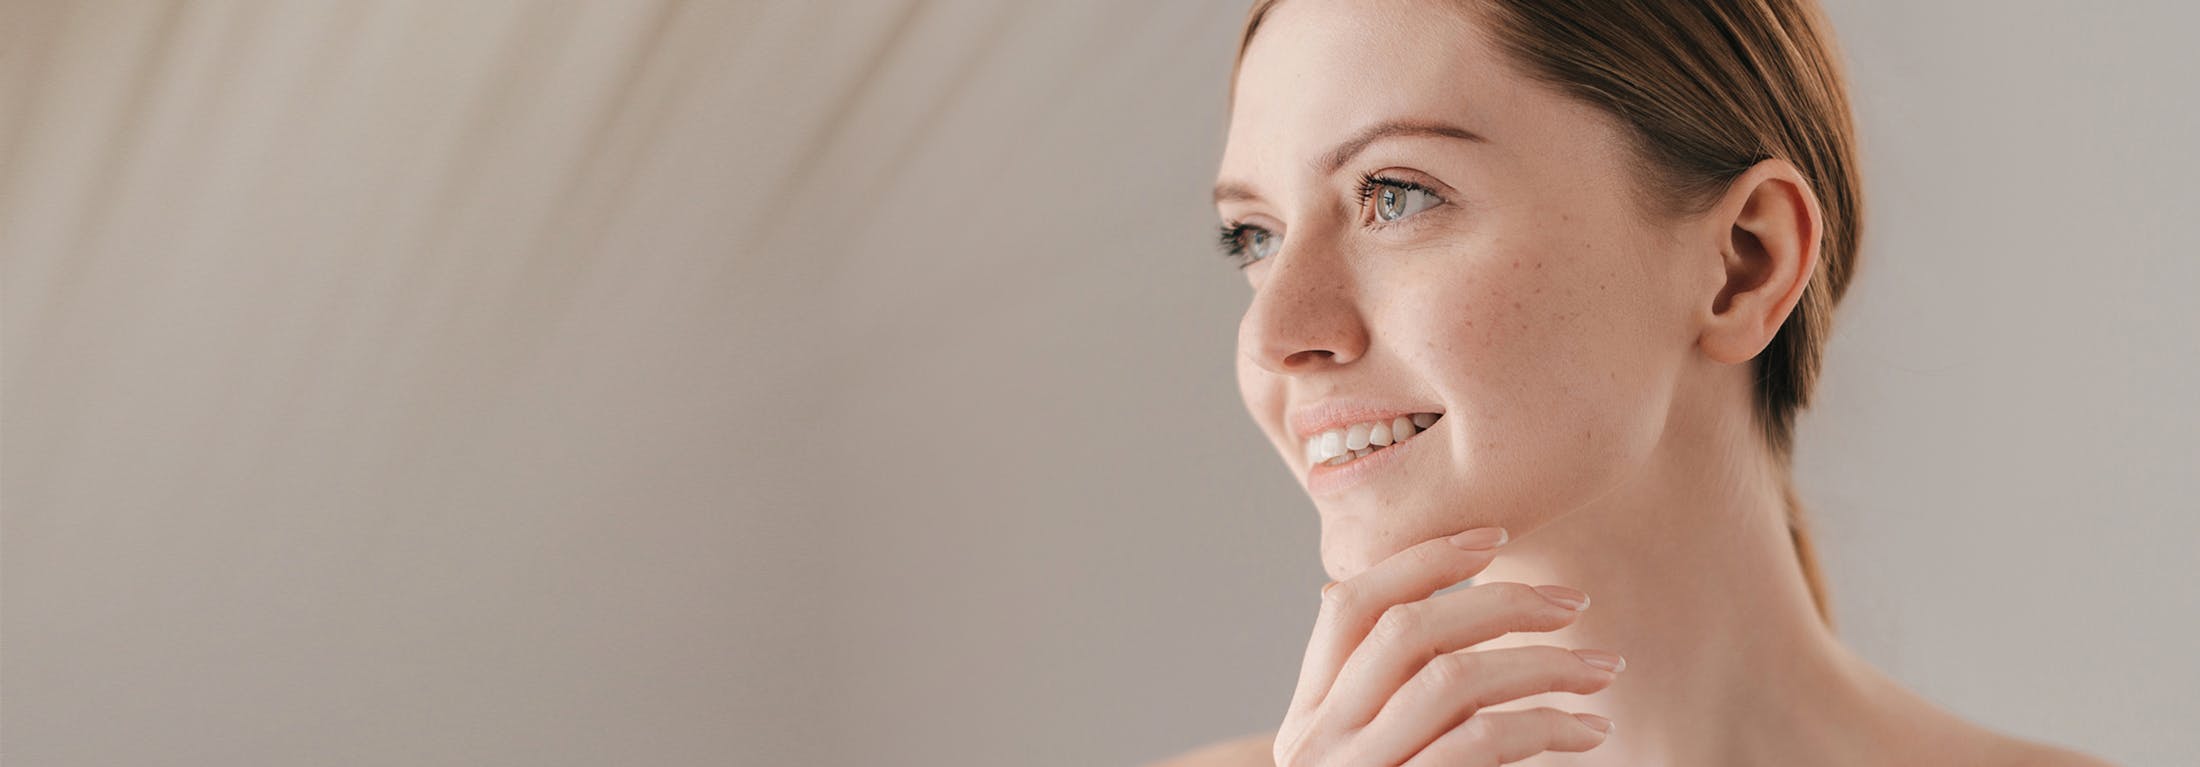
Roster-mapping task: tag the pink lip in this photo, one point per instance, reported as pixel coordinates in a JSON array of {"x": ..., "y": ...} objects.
[{"x": 1323, "y": 479}]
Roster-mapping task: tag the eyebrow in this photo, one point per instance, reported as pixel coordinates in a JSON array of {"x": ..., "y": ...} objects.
[{"x": 1334, "y": 159}]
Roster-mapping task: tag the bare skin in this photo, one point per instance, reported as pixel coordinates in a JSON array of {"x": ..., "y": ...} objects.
[{"x": 1590, "y": 363}]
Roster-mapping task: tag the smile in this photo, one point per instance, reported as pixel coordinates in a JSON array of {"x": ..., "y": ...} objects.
[{"x": 1340, "y": 446}]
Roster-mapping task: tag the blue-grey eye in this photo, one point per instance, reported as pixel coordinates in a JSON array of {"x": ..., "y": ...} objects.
[
  {"x": 1246, "y": 244},
  {"x": 1259, "y": 244},
  {"x": 1393, "y": 202}
]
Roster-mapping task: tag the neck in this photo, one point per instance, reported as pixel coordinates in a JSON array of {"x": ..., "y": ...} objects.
[{"x": 1693, "y": 577}]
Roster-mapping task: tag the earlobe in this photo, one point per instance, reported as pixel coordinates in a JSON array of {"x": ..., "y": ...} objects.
[{"x": 1768, "y": 253}]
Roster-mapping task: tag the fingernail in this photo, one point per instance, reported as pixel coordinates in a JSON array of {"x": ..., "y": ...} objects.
[
  {"x": 1481, "y": 538},
  {"x": 1598, "y": 723},
  {"x": 1601, "y": 659},
  {"x": 1564, "y": 597}
]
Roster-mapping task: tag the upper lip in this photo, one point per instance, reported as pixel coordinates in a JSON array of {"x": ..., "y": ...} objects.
[{"x": 1312, "y": 419}]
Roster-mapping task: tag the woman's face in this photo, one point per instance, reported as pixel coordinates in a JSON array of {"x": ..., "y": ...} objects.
[{"x": 1505, "y": 283}]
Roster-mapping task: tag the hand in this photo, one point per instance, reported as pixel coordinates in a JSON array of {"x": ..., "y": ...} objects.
[{"x": 1387, "y": 680}]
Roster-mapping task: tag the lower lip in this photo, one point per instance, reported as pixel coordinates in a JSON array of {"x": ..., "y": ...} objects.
[{"x": 1324, "y": 479}]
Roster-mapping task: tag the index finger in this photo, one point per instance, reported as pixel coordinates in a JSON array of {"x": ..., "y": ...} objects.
[{"x": 1350, "y": 607}]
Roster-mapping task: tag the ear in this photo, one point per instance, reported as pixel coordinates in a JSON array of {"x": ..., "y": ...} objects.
[{"x": 1766, "y": 230}]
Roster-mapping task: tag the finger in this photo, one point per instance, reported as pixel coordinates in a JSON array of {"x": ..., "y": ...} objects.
[
  {"x": 1408, "y": 636},
  {"x": 1502, "y": 737},
  {"x": 1457, "y": 685},
  {"x": 1351, "y": 606}
]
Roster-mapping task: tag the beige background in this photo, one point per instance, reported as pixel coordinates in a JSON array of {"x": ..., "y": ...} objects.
[{"x": 531, "y": 383}]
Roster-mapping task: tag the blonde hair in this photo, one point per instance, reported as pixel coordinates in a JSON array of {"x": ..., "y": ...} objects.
[{"x": 1709, "y": 88}]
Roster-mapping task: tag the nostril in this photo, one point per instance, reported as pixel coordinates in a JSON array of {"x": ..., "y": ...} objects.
[{"x": 1308, "y": 357}]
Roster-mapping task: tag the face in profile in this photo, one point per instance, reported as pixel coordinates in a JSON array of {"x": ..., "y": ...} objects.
[{"x": 1429, "y": 234}]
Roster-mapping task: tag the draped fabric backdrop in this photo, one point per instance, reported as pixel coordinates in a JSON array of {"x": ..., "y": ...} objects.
[{"x": 778, "y": 382}]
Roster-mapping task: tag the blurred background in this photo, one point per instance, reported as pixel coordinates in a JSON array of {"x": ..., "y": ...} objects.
[{"x": 778, "y": 382}]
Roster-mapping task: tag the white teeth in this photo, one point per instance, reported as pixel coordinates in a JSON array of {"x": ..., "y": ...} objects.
[
  {"x": 1402, "y": 428},
  {"x": 1338, "y": 446}
]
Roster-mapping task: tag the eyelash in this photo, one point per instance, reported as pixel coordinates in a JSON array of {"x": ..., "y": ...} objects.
[
  {"x": 1233, "y": 242},
  {"x": 1232, "y": 235},
  {"x": 1369, "y": 181}
]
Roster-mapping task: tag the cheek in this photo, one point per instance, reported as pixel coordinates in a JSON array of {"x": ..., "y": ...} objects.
[{"x": 1548, "y": 354}]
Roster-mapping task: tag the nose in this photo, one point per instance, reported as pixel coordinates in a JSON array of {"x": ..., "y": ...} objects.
[{"x": 1304, "y": 316}]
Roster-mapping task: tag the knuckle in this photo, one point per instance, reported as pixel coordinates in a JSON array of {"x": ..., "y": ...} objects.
[
  {"x": 1551, "y": 656},
  {"x": 1519, "y": 596},
  {"x": 1480, "y": 732},
  {"x": 1529, "y": 610},
  {"x": 1451, "y": 671},
  {"x": 1435, "y": 554},
  {"x": 1341, "y": 598},
  {"x": 1539, "y": 718},
  {"x": 1560, "y": 669},
  {"x": 1398, "y": 624},
  {"x": 1554, "y": 725}
]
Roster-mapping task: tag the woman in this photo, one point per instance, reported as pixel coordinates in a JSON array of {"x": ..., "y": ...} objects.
[{"x": 1538, "y": 289}]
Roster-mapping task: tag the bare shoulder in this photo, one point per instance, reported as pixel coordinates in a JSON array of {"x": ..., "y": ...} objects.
[
  {"x": 1913, "y": 730},
  {"x": 2015, "y": 752},
  {"x": 1972, "y": 744},
  {"x": 1249, "y": 751}
]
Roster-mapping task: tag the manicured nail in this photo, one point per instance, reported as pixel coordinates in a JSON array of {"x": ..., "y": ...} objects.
[
  {"x": 1564, "y": 597},
  {"x": 1598, "y": 723},
  {"x": 1481, "y": 538},
  {"x": 1601, "y": 659}
]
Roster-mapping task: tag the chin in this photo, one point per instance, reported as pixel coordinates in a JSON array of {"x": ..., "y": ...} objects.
[
  {"x": 1357, "y": 535},
  {"x": 1351, "y": 542}
]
